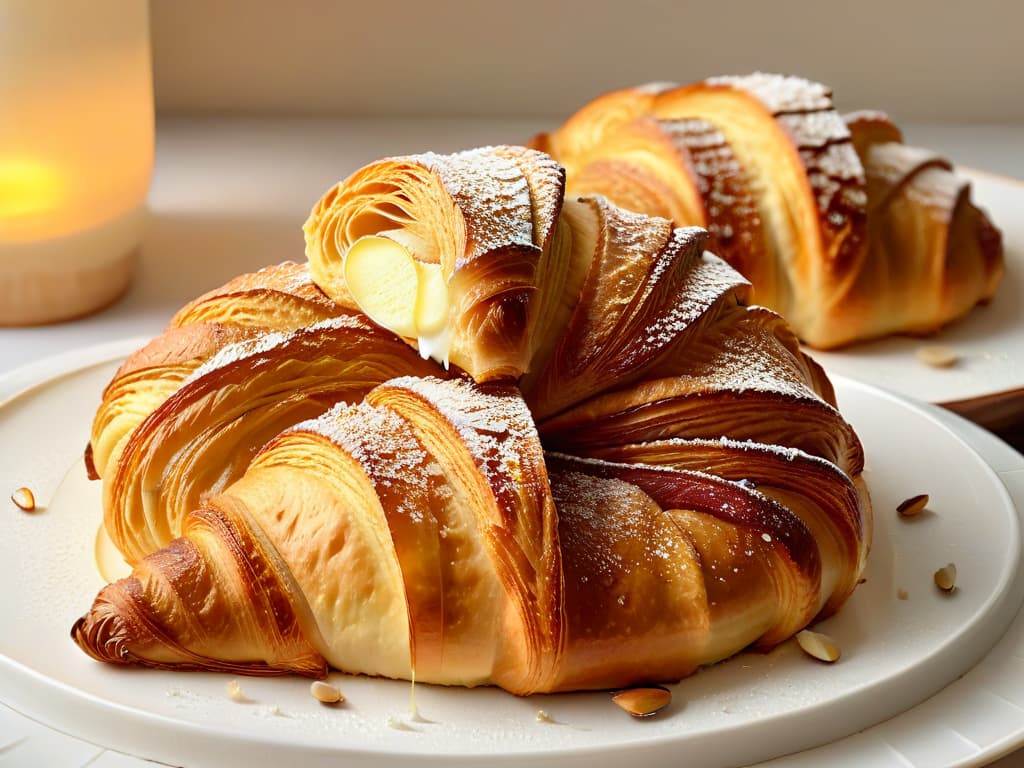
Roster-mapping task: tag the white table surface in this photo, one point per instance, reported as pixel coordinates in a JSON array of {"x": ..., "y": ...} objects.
[{"x": 229, "y": 195}]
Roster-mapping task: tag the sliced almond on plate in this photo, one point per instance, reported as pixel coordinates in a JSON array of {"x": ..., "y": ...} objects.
[{"x": 643, "y": 702}]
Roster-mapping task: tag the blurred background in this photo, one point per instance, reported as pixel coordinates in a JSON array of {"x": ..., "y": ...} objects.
[{"x": 920, "y": 60}]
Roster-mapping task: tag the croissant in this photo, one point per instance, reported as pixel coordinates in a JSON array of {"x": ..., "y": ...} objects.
[
  {"x": 631, "y": 474},
  {"x": 842, "y": 229}
]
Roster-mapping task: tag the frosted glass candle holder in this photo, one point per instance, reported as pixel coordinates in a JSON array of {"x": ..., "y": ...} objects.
[{"x": 76, "y": 154}]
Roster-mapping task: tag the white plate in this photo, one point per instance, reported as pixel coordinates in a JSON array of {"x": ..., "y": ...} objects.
[
  {"x": 971, "y": 722},
  {"x": 989, "y": 341},
  {"x": 754, "y": 707}
]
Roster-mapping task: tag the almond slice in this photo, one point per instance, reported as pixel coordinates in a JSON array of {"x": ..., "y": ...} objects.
[
  {"x": 945, "y": 578},
  {"x": 24, "y": 499},
  {"x": 937, "y": 356},
  {"x": 233, "y": 688},
  {"x": 643, "y": 702},
  {"x": 818, "y": 645},
  {"x": 915, "y": 505},
  {"x": 325, "y": 693}
]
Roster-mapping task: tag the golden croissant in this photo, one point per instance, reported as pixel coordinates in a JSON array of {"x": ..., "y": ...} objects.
[
  {"x": 841, "y": 228},
  {"x": 566, "y": 454}
]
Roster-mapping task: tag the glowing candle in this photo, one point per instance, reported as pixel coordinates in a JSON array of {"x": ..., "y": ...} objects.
[{"x": 76, "y": 153}]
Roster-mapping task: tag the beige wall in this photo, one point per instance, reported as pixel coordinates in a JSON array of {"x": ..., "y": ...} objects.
[{"x": 918, "y": 59}]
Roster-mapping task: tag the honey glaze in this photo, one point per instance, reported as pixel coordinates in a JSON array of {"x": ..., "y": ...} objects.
[{"x": 414, "y": 711}]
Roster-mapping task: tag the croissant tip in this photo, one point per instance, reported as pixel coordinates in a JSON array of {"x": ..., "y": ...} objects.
[
  {"x": 76, "y": 629},
  {"x": 90, "y": 464},
  {"x": 101, "y": 633}
]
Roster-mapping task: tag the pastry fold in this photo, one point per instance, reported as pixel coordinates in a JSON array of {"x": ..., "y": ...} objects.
[
  {"x": 842, "y": 229},
  {"x": 282, "y": 297},
  {"x": 417, "y": 528},
  {"x": 932, "y": 254},
  {"x": 214, "y": 599},
  {"x": 202, "y": 437},
  {"x": 647, "y": 285}
]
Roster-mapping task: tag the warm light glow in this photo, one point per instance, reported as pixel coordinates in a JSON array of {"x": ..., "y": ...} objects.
[
  {"x": 27, "y": 188},
  {"x": 76, "y": 154},
  {"x": 76, "y": 117}
]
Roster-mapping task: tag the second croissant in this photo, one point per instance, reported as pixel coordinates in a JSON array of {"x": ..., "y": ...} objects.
[{"x": 844, "y": 230}]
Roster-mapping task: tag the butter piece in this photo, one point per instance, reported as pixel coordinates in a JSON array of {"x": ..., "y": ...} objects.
[
  {"x": 400, "y": 292},
  {"x": 383, "y": 279}
]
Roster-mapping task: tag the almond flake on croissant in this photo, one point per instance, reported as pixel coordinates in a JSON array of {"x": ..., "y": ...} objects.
[
  {"x": 842, "y": 229},
  {"x": 627, "y": 472}
]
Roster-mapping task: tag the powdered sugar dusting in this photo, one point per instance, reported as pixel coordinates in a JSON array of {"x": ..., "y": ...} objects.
[
  {"x": 546, "y": 181},
  {"x": 680, "y": 445},
  {"x": 494, "y": 423},
  {"x": 743, "y": 355},
  {"x": 867, "y": 116},
  {"x": 780, "y": 93},
  {"x": 837, "y": 181},
  {"x": 821, "y": 136},
  {"x": 380, "y": 440},
  {"x": 637, "y": 258},
  {"x": 888, "y": 164},
  {"x": 816, "y": 129},
  {"x": 262, "y": 344},
  {"x": 833, "y": 166},
  {"x": 607, "y": 511},
  {"x": 606, "y": 470},
  {"x": 733, "y": 216},
  {"x": 706, "y": 281},
  {"x": 492, "y": 193},
  {"x": 325, "y": 425},
  {"x": 938, "y": 190},
  {"x": 296, "y": 279}
]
